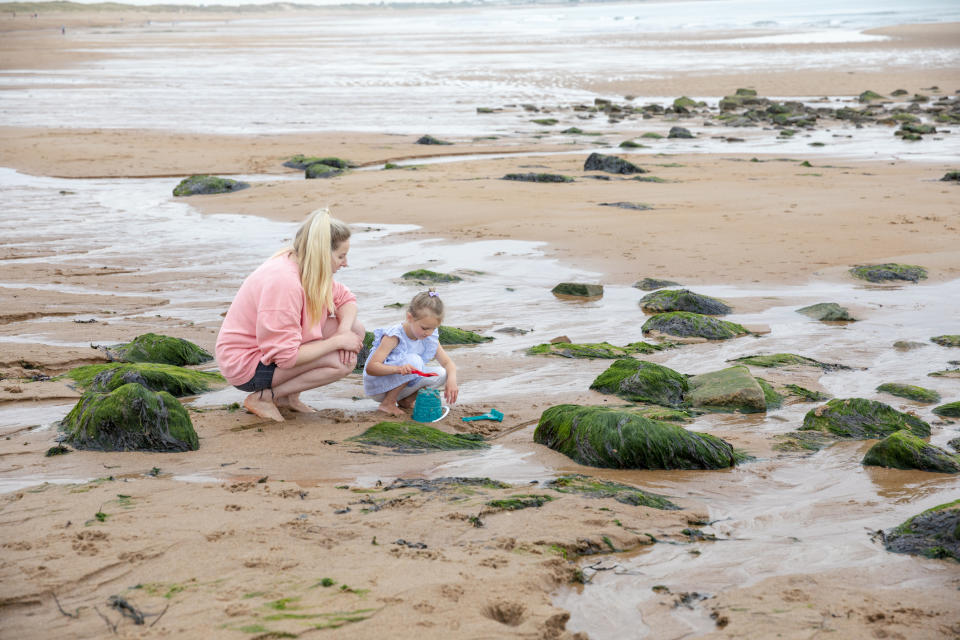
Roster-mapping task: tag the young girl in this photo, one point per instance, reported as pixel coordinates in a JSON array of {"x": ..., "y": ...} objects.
[
  {"x": 401, "y": 348},
  {"x": 291, "y": 327}
]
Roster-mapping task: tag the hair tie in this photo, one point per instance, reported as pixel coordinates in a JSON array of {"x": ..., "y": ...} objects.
[{"x": 433, "y": 294}]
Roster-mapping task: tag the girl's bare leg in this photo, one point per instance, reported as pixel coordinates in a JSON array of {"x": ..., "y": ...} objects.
[
  {"x": 260, "y": 403},
  {"x": 389, "y": 403}
]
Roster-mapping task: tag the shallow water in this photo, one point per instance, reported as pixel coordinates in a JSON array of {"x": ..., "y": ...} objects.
[{"x": 774, "y": 516}]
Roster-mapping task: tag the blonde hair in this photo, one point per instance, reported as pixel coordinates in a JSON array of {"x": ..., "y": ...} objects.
[
  {"x": 313, "y": 247},
  {"x": 426, "y": 301}
]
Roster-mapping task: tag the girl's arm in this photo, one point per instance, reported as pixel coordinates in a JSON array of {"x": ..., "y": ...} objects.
[
  {"x": 451, "y": 389},
  {"x": 375, "y": 364}
]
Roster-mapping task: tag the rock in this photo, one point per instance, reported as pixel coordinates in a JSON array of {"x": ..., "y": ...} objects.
[
  {"x": 954, "y": 444},
  {"x": 778, "y": 360},
  {"x": 301, "y": 161},
  {"x": 869, "y": 96},
  {"x": 545, "y": 122},
  {"x": 935, "y": 533},
  {"x": 946, "y": 373},
  {"x": 651, "y": 284},
  {"x": 804, "y": 394},
  {"x": 907, "y": 345},
  {"x": 630, "y": 144},
  {"x": 949, "y": 410},
  {"x": 319, "y": 171},
  {"x": 597, "y": 349},
  {"x": 130, "y": 418},
  {"x": 205, "y": 185},
  {"x": 152, "y": 347},
  {"x": 537, "y": 177},
  {"x": 425, "y": 276},
  {"x": 452, "y": 335},
  {"x": 946, "y": 340},
  {"x": 951, "y": 176},
  {"x": 889, "y": 271},
  {"x": 731, "y": 389},
  {"x": 683, "y": 104},
  {"x": 686, "y": 324},
  {"x": 176, "y": 381},
  {"x": 910, "y": 392},
  {"x": 364, "y": 352},
  {"x": 618, "y": 439},
  {"x": 640, "y": 381},
  {"x": 636, "y": 206},
  {"x": 683, "y": 300},
  {"x": 610, "y": 164},
  {"x": 560, "y": 340},
  {"x": 578, "y": 290},
  {"x": 903, "y": 450},
  {"x": 860, "y": 419},
  {"x": 679, "y": 132},
  {"x": 428, "y": 139},
  {"x": 827, "y": 312},
  {"x": 408, "y": 437},
  {"x": 587, "y": 486}
]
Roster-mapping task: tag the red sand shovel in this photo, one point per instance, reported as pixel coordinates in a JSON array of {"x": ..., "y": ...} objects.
[{"x": 422, "y": 374}]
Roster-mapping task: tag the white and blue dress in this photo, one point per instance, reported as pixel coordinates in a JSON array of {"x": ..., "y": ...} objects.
[{"x": 416, "y": 353}]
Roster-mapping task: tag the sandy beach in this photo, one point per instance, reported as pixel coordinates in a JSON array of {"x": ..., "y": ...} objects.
[{"x": 291, "y": 529}]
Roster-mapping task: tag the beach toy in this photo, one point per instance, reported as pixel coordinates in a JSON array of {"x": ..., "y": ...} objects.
[
  {"x": 421, "y": 373},
  {"x": 493, "y": 414},
  {"x": 427, "y": 407}
]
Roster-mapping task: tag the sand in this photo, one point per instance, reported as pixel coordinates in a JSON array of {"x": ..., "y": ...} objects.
[{"x": 277, "y": 528}]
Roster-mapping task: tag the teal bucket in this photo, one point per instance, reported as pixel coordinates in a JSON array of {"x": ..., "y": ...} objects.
[{"x": 427, "y": 407}]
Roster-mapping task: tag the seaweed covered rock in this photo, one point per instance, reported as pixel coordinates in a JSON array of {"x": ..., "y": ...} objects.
[
  {"x": 934, "y": 533},
  {"x": 130, "y": 418},
  {"x": 537, "y": 177},
  {"x": 177, "y": 381},
  {"x": 683, "y": 300},
  {"x": 425, "y": 276},
  {"x": 951, "y": 176},
  {"x": 685, "y": 324},
  {"x": 869, "y": 96},
  {"x": 679, "y": 132},
  {"x": 805, "y": 395},
  {"x": 910, "y": 392},
  {"x": 903, "y": 450},
  {"x": 320, "y": 171},
  {"x": 731, "y": 389},
  {"x": 777, "y": 360},
  {"x": 428, "y": 139},
  {"x": 364, "y": 352},
  {"x": 861, "y": 419},
  {"x": 597, "y": 349},
  {"x": 587, "y": 486},
  {"x": 452, "y": 335},
  {"x": 610, "y": 164},
  {"x": 640, "y": 381},
  {"x": 152, "y": 347},
  {"x": 949, "y": 410},
  {"x": 410, "y": 437},
  {"x": 947, "y": 340},
  {"x": 827, "y": 312},
  {"x": 205, "y": 185},
  {"x": 301, "y": 161},
  {"x": 578, "y": 290},
  {"x": 617, "y": 439},
  {"x": 889, "y": 271},
  {"x": 652, "y": 284}
]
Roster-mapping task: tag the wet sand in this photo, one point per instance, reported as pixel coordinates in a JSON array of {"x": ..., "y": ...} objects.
[{"x": 237, "y": 538}]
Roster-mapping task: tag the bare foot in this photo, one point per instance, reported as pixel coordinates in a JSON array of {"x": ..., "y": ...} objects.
[
  {"x": 408, "y": 402},
  {"x": 392, "y": 409},
  {"x": 258, "y": 405},
  {"x": 294, "y": 403}
]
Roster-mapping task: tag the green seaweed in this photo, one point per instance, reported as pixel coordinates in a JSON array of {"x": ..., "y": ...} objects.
[
  {"x": 585, "y": 485},
  {"x": 452, "y": 335},
  {"x": 771, "y": 396},
  {"x": 520, "y": 501},
  {"x": 861, "y": 419},
  {"x": 618, "y": 439},
  {"x": 889, "y": 271},
  {"x": 641, "y": 381},
  {"x": 777, "y": 360},
  {"x": 949, "y": 410},
  {"x": 425, "y": 275},
  {"x": 910, "y": 392},
  {"x": 320, "y": 170},
  {"x": 301, "y": 161},
  {"x": 408, "y": 437},
  {"x": 205, "y": 185},
  {"x": 903, "y": 450},
  {"x": 806, "y": 395},
  {"x": 130, "y": 417},
  {"x": 597, "y": 349},
  {"x": 683, "y": 300},
  {"x": 160, "y": 349},
  {"x": 730, "y": 389},
  {"x": 686, "y": 324},
  {"x": 177, "y": 381},
  {"x": 650, "y": 284},
  {"x": 827, "y": 312},
  {"x": 537, "y": 177},
  {"x": 578, "y": 289},
  {"x": 946, "y": 340}
]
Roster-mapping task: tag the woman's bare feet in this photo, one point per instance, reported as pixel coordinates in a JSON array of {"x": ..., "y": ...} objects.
[
  {"x": 257, "y": 404},
  {"x": 392, "y": 409},
  {"x": 294, "y": 403}
]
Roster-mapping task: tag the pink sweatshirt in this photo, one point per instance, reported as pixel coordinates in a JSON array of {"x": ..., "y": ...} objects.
[{"x": 268, "y": 320}]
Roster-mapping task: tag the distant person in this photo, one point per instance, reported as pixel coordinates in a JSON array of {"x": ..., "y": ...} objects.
[
  {"x": 400, "y": 349},
  {"x": 291, "y": 326},
  {"x": 63, "y": 30}
]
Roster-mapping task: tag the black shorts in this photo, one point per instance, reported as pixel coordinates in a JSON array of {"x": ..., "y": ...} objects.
[{"x": 262, "y": 379}]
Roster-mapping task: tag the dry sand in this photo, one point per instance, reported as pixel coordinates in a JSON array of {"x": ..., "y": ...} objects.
[{"x": 247, "y": 556}]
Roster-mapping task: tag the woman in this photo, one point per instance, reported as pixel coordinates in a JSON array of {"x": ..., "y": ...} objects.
[{"x": 291, "y": 327}]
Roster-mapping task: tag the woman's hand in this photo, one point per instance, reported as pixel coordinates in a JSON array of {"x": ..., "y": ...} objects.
[
  {"x": 450, "y": 391},
  {"x": 347, "y": 357},
  {"x": 348, "y": 341}
]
